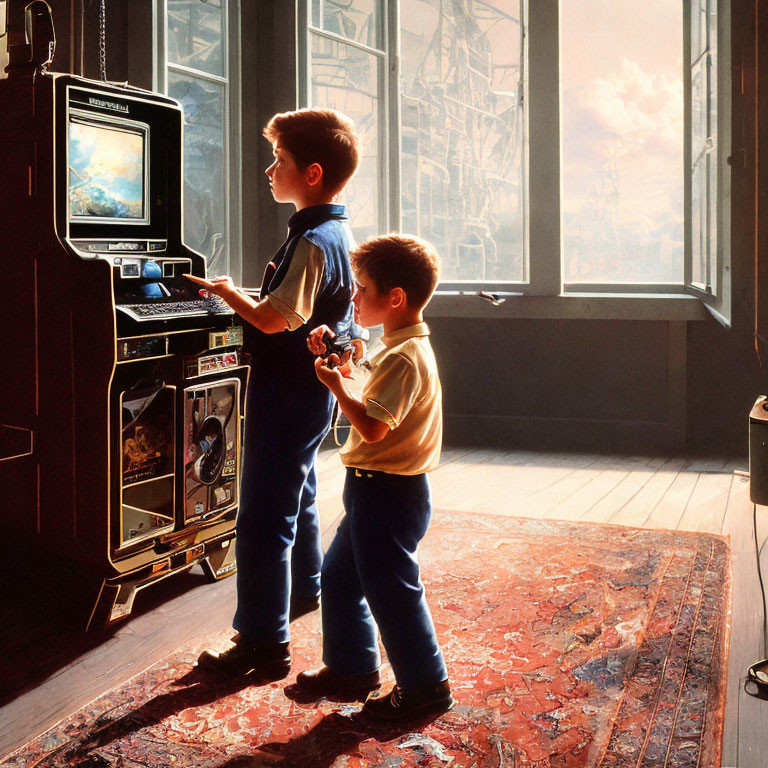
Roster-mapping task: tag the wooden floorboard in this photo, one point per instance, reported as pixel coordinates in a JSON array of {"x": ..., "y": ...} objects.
[
  {"x": 601, "y": 483},
  {"x": 745, "y": 742},
  {"x": 192, "y": 608},
  {"x": 637, "y": 510},
  {"x": 753, "y": 732},
  {"x": 670, "y": 508},
  {"x": 706, "y": 507},
  {"x": 560, "y": 483},
  {"x": 605, "y": 509},
  {"x": 511, "y": 487},
  {"x": 650, "y": 491}
]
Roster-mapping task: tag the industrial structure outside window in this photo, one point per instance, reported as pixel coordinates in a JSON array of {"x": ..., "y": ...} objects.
[{"x": 545, "y": 148}]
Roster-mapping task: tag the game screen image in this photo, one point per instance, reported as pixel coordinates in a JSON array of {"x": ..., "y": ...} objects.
[
  {"x": 147, "y": 427},
  {"x": 106, "y": 173},
  {"x": 147, "y": 423}
]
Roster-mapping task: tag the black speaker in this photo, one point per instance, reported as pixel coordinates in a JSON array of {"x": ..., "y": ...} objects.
[{"x": 758, "y": 451}]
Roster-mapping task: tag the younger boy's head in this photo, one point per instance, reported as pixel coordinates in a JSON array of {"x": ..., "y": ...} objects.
[
  {"x": 392, "y": 262},
  {"x": 317, "y": 137}
]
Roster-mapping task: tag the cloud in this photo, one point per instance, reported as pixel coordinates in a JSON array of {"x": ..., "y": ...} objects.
[
  {"x": 106, "y": 152},
  {"x": 636, "y": 107}
]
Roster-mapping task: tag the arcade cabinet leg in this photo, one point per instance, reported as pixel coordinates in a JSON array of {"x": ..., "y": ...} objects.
[{"x": 221, "y": 562}]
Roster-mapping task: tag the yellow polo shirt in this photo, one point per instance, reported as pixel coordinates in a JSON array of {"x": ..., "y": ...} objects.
[{"x": 404, "y": 392}]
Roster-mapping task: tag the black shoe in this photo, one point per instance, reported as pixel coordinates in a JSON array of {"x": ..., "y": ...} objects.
[
  {"x": 331, "y": 684},
  {"x": 302, "y": 605},
  {"x": 272, "y": 660},
  {"x": 400, "y": 704}
]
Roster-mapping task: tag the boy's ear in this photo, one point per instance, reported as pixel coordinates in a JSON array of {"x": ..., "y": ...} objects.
[
  {"x": 314, "y": 174},
  {"x": 397, "y": 297}
]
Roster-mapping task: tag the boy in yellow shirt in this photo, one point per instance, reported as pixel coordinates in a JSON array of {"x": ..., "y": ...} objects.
[{"x": 370, "y": 574}]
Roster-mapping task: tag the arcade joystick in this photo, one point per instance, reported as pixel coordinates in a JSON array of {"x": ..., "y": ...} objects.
[{"x": 339, "y": 346}]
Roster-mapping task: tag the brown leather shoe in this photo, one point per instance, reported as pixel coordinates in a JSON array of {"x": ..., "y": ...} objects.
[
  {"x": 327, "y": 682},
  {"x": 243, "y": 657},
  {"x": 401, "y": 704}
]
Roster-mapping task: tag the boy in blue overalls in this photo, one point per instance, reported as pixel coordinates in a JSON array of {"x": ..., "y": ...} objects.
[
  {"x": 370, "y": 574},
  {"x": 288, "y": 411}
]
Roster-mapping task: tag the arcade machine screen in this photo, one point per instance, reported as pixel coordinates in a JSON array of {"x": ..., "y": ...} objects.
[
  {"x": 109, "y": 185},
  {"x": 107, "y": 172}
]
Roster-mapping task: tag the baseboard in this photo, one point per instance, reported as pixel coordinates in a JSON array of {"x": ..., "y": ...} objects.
[{"x": 562, "y": 434}]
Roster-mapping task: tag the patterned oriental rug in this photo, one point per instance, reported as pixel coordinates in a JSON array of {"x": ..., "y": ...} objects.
[{"x": 569, "y": 645}]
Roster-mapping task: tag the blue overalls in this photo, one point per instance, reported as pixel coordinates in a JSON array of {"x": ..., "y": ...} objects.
[{"x": 288, "y": 413}]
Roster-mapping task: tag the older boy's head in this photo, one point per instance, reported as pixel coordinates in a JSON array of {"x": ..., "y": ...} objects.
[
  {"x": 322, "y": 136},
  {"x": 400, "y": 261}
]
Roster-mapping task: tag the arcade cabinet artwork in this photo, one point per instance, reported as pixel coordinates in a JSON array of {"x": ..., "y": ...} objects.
[{"x": 121, "y": 406}]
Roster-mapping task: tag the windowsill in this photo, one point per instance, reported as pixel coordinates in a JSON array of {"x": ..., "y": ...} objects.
[{"x": 571, "y": 306}]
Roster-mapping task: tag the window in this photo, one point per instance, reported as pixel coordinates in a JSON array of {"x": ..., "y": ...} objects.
[
  {"x": 621, "y": 117},
  {"x": 347, "y": 63},
  {"x": 546, "y": 148},
  {"x": 448, "y": 126},
  {"x": 196, "y": 41},
  {"x": 462, "y": 137},
  {"x": 707, "y": 182}
]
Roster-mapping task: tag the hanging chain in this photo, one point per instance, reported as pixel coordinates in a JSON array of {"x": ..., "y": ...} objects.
[{"x": 103, "y": 40}]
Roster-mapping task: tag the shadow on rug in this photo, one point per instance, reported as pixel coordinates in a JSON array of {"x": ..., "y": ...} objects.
[{"x": 568, "y": 645}]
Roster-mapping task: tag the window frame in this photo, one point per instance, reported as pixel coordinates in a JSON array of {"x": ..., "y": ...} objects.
[
  {"x": 716, "y": 293},
  {"x": 545, "y": 293},
  {"x": 232, "y": 115},
  {"x": 387, "y": 77}
]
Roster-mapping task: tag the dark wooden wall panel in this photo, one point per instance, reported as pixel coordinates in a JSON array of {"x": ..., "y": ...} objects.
[{"x": 566, "y": 384}]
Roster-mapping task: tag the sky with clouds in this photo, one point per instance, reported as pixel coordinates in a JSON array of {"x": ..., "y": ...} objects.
[
  {"x": 622, "y": 139},
  {"x": 106, "y": 168}
]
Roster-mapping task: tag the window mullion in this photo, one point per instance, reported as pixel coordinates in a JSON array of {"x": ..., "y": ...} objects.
[
  {"x": 303, "y": 74},
  {"x": 687, "y": 146},
  {"x": 543, "y": 93},
  {"x": 392, "y": 100},
  {"x": 234, "y": 153},
  {"x": 723, "y": 73},
  {"x": 523, "y": 104},
  {"x": 710, "y": 229},
  {"x": 160, "y": 45}
]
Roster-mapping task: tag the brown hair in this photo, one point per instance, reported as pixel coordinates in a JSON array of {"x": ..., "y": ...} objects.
[
  {"x": 402, "y": 261},
  {"x": 322, "y": 136}
]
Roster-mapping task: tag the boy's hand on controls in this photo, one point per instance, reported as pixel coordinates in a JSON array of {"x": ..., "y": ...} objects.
[
  {"x": 315, "y": 341},
  {"x": 220, "y": 286},
  {"x": 331, "y": 377},
  {"x": 359, "y": 350}
]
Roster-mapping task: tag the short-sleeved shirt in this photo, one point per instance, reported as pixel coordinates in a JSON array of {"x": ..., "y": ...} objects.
[
  {"x": 404, "y": 392},
  {"x": 309, "y": 282},
  {"x": 294, "y": 297}
]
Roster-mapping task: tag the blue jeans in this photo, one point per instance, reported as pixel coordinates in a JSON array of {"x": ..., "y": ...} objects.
[
  {"x": 371, "y": 577},
  {"x": 278, "y": 531}
]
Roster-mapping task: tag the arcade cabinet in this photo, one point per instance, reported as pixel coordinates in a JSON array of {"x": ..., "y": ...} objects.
[{"x": 122, "y": 396}]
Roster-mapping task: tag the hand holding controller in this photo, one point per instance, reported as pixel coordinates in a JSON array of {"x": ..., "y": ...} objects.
[{"x": 340, "y": 346}]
